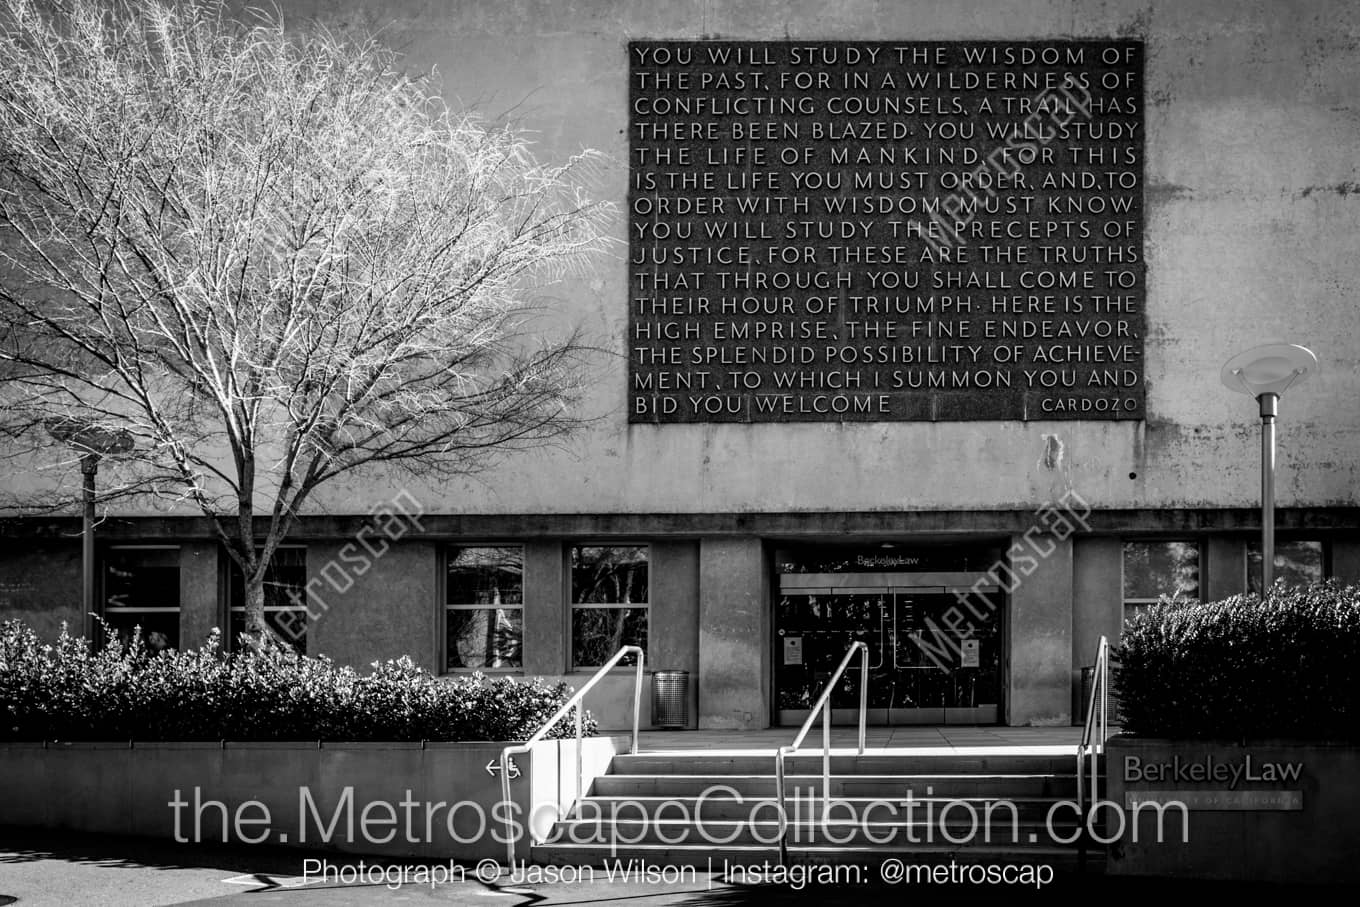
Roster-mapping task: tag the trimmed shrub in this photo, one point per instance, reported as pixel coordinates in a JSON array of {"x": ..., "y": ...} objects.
[
  {"x": 69, "y": 691},
  {"x": 1286, "y": 666}
]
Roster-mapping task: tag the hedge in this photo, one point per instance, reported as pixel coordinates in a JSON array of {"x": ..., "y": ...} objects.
[
  {"x": 72, "y": 692},
  {"x": 1245, "y": 668}
]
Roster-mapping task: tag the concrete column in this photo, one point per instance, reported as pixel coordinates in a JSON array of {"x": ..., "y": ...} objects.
[
  {"x": 673, "y": 627},
  {"x": 200, "y": 605},
  {"x": 1098, "y": 603},
  {"x": 1225, "y": 571},
  {"x": 733, "y": 634},
  {"x": 546, "y": 609},
  {"x": 1041, "y": 638}
]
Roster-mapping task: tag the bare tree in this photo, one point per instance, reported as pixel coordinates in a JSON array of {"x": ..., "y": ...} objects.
[{"x": 271, "y": 259}]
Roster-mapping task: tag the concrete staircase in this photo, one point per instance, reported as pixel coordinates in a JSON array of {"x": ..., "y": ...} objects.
[{"x": 696, "y": 809}]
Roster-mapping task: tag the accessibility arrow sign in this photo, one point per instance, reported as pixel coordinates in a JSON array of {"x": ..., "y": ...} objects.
[{"x": 493, "y": 768}]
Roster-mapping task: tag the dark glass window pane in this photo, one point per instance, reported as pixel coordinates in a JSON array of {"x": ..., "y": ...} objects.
[
  {"x": 485, "y": 575},
  {"x": 1296, "y": 563},
  {"x": 1154, "y": 569},
  {"x": 290, "y": 625},
  {"x": 485, "y": 637},
  {"x": 160, "y": 630},
  {"x": 141, "y": 578},
  {"x": 597, "y": 633},
  {"x": 614, "y": 575},
  {"x": 285, "y": 581}
]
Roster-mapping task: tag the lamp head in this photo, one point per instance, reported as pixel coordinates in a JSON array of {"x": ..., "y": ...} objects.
[
  {"x": 89, "y": 438},
  {"x": 1268, "y": 369}
]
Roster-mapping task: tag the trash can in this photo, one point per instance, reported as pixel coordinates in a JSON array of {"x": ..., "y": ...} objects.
[
  {"x": 1088, "y": 679},
  {"x": 670, "y": 699}
]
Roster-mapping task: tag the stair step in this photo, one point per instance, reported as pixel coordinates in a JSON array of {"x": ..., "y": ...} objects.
[
  {"x": 722, "y": 859},
  {"x": 726, "y": 807},
  {"x": 646, "y": 808},
  {"x": 886, "y": 786},
  {"x": 841, "y": 764},
  {"x": 717, "y": 833}
]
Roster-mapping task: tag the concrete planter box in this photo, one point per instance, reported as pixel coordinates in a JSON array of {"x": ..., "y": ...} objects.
[
  {"x": 1271, "y": 811},
  {"x": 433, "y": 800}
]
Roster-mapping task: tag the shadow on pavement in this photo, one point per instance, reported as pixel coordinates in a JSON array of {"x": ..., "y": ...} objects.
[{"x": 23, "y": 845}]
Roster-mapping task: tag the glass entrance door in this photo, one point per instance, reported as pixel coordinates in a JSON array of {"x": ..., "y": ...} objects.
[
  {"x": 946, "y": 658},
  {"x": 933, "y": 659}
]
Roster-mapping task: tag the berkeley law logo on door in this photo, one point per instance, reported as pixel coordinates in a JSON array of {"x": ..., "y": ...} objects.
[{"x": 1207, "y": 769}]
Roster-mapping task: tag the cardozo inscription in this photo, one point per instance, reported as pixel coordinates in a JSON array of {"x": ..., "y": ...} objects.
[{"x": 885, "y": 230}]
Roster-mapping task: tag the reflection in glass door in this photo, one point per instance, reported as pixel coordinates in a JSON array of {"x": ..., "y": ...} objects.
[{"x": 932, "y": 660}]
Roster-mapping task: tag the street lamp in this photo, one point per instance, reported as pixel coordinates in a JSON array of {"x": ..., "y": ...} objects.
[
  {"x": 91, "y": 442},
  {"x": 1266, "y": 372}
]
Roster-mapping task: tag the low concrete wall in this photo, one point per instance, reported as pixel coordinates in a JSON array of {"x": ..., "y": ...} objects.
[
  {"x": 1273, "y": 811},
  {"x": 435, "y": 800}
]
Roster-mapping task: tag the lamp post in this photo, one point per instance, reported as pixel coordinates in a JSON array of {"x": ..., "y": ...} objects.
[
  {"x": 91, "y": 442},
  {"x": 1266, "y": 372}
]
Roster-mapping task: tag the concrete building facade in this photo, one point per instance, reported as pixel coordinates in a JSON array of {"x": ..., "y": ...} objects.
[{"x": 721, "y": 543}]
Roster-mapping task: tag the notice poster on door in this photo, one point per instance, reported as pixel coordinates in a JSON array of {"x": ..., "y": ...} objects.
[
  {"x": 968, "y": 653},
  {"x": 793, "y": 650}
]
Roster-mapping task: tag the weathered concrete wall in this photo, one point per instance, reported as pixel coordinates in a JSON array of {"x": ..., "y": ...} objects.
[
  {"x": 545, "y": 600},
  {"x": 673, "y": 632},
  {"x": 733, "y": 636},
  {"x": 388, "y": 610},
  {"x": 1040, "y": 631},
  {"x": 1097, "y": 604},
  {"x": 201, "y": 608},
  {"x": 1252, "y": 208}
]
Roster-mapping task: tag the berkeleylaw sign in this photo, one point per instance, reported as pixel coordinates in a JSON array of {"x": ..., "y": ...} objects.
[{"x": 1216, "y": 785}]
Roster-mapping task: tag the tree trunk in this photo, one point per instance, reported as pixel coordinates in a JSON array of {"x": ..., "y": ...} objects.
[{"x": 253, "y": 596}]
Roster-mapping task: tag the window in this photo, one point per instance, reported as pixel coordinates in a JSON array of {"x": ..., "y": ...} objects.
[
  {"x": 608, "y": 602},
  {"x": 1297, "y": 563},
  {"x": 1155, "y": 569},
  {"x": 285, "y": 598},
  {"x": 484, "y": 608},
  {"x": 141, "y": 589}
]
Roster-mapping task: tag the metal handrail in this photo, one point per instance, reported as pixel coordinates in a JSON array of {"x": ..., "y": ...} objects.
[
  {"x": 1091, "y": 745},
  {"x": 822, "y": 705},
  {"x": 573, "y": 702}
]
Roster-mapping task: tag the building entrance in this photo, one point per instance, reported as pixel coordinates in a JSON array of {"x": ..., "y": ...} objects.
[{"x": 935, "y": 641}]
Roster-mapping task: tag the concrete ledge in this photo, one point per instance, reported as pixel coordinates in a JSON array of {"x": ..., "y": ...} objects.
[
  {"x": 813, "y": 523},
  {"x": 1274, "y": 811},
  {"x": 390, "y": 799}
]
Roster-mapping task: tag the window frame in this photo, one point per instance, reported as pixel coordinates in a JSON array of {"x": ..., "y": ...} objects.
[
  {"x": 231, "y": 610},
  {"x": 1200, "y": 548},
  {"x": 445, "y": 607},
  {"x": 105, "y": 611},
  {"x": 573, "y": 606}
]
